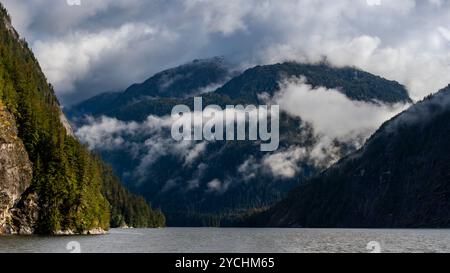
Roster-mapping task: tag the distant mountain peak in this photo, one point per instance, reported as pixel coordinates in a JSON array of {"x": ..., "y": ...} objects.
[{"x": 182, "y": 81}]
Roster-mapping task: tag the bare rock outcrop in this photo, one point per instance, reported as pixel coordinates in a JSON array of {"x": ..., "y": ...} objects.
[{"x": 15, "y": 175}]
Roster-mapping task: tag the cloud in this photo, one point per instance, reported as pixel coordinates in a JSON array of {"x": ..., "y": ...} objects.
[
  {"x": 336, "y": 121},
  {"x": 285, "y": 164},
  {"x": 93, "y": 46},
  {"x": 249, "y": 169},
  {"x": 150, "y": 140},
  {"x": 69, "y": 60},
  {"x": 335, "y": 118},
  {"x": 282, "y": 164},
  {"x": 145, "y": 142},
  {"x": 106, "y": 133},
  {"x": 217, "y": 186},
  {"x": 338, "y": 124},
  {"x": 330, "y": 112}
]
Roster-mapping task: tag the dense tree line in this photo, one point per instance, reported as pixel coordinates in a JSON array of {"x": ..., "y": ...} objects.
[{"x": 128, "y": 209}]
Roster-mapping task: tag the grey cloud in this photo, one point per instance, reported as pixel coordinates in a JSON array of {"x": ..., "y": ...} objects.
[{"x": 92, "y": 47}]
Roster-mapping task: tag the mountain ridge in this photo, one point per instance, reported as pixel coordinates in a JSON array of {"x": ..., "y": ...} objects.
[
  {"x": 194, "y": 78},
  {"x": 245, "y": 87}
]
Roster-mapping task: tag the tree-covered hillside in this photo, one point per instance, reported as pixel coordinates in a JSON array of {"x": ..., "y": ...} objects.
[{"x": 67, "y": 179}]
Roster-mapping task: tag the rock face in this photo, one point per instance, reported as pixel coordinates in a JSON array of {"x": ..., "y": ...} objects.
[
  {"x": 15, "y": 174},
  {"x": 66, "y": 124}
]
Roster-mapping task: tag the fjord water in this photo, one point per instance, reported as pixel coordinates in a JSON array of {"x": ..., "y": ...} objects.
[{"x": 204, "y": 240}]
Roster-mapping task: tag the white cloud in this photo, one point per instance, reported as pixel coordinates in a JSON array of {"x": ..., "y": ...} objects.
[
  {"x": 147, "y": 141},
  {"x": 249, "y": 169},
  {"x": 106, "y": 133},
  {"x": 285, "y": 164},
  {"x": 151, "y": 139},
  {"x": 76, "y": 55},
  {"x": 335, "y": 119},
  {"x": 194, "y": 153},
  {"x": 217, "y": 186},
  {"x": 330, "y": 112}
]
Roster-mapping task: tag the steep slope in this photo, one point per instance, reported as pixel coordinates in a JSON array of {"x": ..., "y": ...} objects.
[
  {"x": 399, "y": 179},
  {"x": 64, "y": 194},
  {"x": 200, "y": 183},
  {"x": 127, "y": 209}
]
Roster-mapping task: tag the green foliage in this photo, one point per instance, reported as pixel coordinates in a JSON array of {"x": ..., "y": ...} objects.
[{"x": 67, "y": 178}]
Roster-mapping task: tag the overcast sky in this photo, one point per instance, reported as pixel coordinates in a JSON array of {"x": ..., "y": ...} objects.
[{"x": 106, "y": 45}]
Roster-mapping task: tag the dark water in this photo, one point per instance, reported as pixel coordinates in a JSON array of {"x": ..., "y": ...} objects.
[{"x": 195, "y": 240}]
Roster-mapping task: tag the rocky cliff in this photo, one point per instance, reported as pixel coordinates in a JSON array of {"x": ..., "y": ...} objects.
[{"x": 15, "y": 176}]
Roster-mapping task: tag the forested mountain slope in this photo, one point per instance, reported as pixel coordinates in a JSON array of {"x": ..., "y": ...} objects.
[
  {"x": 64, "y": 192},
  {"x": 399, "y": 179}
]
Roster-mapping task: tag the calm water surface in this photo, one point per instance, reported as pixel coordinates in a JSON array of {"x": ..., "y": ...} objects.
[{"x": 201, "y": 240}]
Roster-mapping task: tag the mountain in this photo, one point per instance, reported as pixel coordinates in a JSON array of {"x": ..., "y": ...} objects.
[
  {"x": 399, "y": 179},
  {"x": 354, "y": 83},
  {"x": 197, "y": 77},
  {"x": 139, "y": 101},
  {"x": 201, "y": 183},
  {"x": 200, "y": 76},
  {"x": 49, "y": 182}
]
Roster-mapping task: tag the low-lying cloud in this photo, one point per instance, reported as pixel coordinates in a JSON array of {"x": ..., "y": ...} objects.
[
  {"x": 285, "y": 164},
  {"x": 334, "y": 117},
  {"x": 152, "y": 139},
  {"x": 336, "y": 121},
  {"x": 145, "y": 142},
  {"x": 331, "y": 113}
]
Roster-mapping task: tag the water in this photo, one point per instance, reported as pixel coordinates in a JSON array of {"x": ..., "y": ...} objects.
[{"x": 205, "y": 240}]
